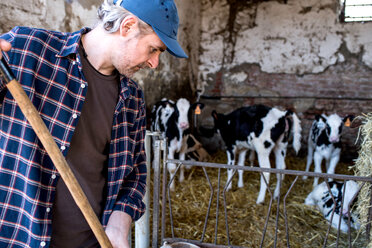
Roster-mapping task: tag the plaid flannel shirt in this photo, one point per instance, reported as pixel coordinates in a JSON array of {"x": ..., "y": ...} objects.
[{"x": 47, "y": 65}]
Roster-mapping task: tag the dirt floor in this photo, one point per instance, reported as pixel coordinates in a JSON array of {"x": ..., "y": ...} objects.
[{"x": 246, "y": 220}]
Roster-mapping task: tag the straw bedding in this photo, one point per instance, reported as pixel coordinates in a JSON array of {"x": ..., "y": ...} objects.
[
  {"x": 246, "y": 219},
  {"x": 363, "y": 167}
]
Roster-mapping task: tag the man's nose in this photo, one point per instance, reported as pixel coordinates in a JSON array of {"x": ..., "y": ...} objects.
[{"x": 154, "y": 61}]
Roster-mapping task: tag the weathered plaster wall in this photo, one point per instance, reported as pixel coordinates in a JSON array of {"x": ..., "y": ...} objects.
[
  {"x": 59, "y": 15},
  {"x": 174, "y": 77},
  {"x": 302, "y": 36},
  {"x": 293, "y": 55}
]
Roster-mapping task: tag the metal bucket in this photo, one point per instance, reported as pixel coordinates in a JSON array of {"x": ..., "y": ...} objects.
[{"x": 179, "y": 245}]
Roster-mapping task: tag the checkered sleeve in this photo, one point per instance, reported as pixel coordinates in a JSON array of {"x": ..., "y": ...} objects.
[{"x": 130, "y": 198}]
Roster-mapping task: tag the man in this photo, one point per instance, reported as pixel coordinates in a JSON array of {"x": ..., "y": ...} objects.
[{"x": 80, "y": 83}]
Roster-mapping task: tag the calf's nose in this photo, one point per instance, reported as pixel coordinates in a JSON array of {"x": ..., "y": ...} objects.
[{"x": 184, "y": 125}]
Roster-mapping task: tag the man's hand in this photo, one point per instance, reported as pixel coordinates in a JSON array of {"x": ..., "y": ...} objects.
[
  {"x": 118, "y": 228},
  {"x": 4, "y": 46}
]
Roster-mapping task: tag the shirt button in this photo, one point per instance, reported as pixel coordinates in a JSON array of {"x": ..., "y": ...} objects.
[
  {"x": 42, "y": 244},
  {"x": 63, "y": 148},
  {"x": 74, "y": 116},
  {"x": 74, "y": 62},
  {"x": 82, "y": 86},
  {"x": 48, "y": 210},
  {"x": 54, "y": 176}
]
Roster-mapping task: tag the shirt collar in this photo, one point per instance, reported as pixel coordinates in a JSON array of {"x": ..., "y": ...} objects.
[
  {"x": 72, "y": 43},
  {"x": 71, "y": 47}
]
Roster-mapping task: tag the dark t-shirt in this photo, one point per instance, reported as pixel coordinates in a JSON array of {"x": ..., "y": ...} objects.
[{"x": 87, "y": 158}]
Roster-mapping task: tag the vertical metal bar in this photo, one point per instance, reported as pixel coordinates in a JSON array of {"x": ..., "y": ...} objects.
[
  {"x": 142, "y": 226},
  {"x": 209, "y": 204},
  {"x": 277, "y": 211},
  {"x": 285, "y": 211},
  {"x": 349, "y": 212},
  {"x": 369, "y": 218},
  {"x": 164, "y": 143},
  {"x": 217, "y": 205},
  {"x": 155, "y": 215},
  {"x": 333, "y": 212},
  {"x": 268, "y": 211},
  {"x": 225, "y": 208}
]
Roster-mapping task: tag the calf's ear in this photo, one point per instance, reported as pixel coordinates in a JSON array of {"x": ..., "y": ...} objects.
[{"x": 348, "y": 119}]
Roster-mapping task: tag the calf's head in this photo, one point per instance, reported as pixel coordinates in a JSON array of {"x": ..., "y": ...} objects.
[
  {"x": 220, "y": 121},
  {"x": 332, "y": 125},
  {"x": 183, "y": 106}
]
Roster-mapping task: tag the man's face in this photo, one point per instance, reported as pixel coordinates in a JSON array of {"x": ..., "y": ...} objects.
[{"x": 137, "y": 52}]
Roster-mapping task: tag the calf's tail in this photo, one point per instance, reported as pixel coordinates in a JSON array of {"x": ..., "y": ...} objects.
[{"x": 296, "y": 130}]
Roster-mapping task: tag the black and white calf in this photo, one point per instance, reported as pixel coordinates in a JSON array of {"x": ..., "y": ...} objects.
[
  {"x": 172, "y": 121},
  {"x": 261, "y": 129},
  {"x": 324, "y": 142},
  {"x": 321, "y": 197}
]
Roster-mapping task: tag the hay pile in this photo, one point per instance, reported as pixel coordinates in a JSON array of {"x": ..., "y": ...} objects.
[
  {"x": 246, "y": 219},
  {"x": 363, "y": 167}
]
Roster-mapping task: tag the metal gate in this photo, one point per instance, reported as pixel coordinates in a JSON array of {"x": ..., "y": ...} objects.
[{"x": 162, "y": 215}]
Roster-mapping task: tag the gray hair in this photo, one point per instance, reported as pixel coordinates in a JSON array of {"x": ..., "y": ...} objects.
[{"x": 111, "y": 16}]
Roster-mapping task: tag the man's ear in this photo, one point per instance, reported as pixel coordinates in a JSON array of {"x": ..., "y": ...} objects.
[{"x": 128, "y": 25}]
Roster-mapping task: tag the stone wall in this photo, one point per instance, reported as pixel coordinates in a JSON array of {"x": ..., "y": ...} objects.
[{"x": 291, "y": 54}]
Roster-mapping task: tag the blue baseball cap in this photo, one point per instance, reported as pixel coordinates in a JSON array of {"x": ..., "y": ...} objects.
[{"x": 162, "y": 16}]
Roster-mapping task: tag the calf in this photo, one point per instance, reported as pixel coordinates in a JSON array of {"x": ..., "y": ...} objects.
[
  {"x": 261, "y": 129},
  {"x": 324, "y": 142},
  {"x": 339, "y": 206},
  {"x": 172, "y": 121}
]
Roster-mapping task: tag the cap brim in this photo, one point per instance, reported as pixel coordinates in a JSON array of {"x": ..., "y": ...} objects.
[{"x": 172, "y": 45}]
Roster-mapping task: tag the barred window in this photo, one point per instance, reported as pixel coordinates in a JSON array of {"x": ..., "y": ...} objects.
[{"x": 355, "y": 10}]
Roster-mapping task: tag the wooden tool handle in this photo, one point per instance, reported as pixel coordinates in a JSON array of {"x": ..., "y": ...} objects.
[{"x": 55, "y": 154}]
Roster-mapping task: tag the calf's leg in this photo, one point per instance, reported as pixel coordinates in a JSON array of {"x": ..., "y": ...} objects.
[
  {"x": 280, "y": 152},
  {"x": 335, "y": 157},
  {"x": 230, "y": 161},
  {"x": 241, "y": 163},
  {"x": 264, "y": 162},
  {"x": 318, "y": 166},
  {"x": 310, "y": 154}
]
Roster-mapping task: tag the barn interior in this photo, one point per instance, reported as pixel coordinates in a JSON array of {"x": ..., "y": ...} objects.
[{"x": 302, "y": 55}]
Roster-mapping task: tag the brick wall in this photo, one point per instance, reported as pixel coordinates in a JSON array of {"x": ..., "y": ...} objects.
[{"x": 344, "y": 88}]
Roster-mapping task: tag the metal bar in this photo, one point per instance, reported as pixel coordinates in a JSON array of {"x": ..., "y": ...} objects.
[
  {"x": 369, "y": 219},
  {"x": 340, "y": 98},
  {"x": 268, "y": 210},
  {"x": 156, "y": 183},
  {"x": 209, "y": 204},
  {"x": 164, "y": 147},
  {"x": 333, "y": 211},
  {"x": 285, "y": 210},
  {"x": 217, "y": 205},
  {"x": 272, "y": 170},
  {"x": 225, "y": 208},
  {"x": 142, "y": 226},
  {"x": 277, "y": 211}
]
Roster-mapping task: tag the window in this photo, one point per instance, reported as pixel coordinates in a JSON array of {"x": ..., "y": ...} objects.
[{"x": 356, "y": 10}]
